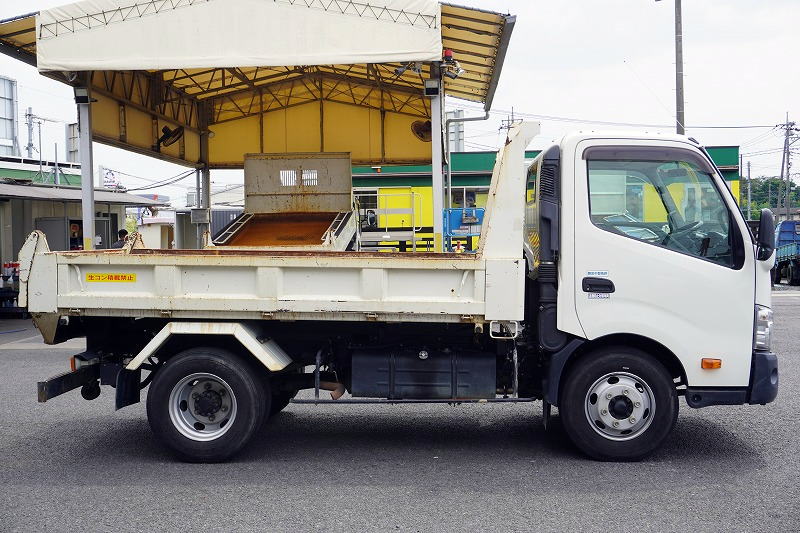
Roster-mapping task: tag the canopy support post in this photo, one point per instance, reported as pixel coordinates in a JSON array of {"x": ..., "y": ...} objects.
[
  {"x": 437, "y": 137},
  {"x": 198, "y": 201},
  {"x": 204, "y": 194},
  {"x": 84, "y": 102}
]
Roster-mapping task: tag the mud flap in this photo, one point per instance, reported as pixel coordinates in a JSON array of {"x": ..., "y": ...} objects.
[{"x": 128, "y": 387}]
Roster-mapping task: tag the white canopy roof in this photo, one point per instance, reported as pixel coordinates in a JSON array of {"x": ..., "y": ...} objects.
[{"x": 147, "y": 35}]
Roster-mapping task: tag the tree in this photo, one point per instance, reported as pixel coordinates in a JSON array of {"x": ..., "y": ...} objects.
[{"x": 764, "y": 193}]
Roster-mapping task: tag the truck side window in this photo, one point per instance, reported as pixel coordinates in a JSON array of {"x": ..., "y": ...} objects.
[{"x": 670, "y": 202}]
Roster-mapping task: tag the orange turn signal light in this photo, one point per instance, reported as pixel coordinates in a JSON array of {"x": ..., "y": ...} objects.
[
  {"x": 707, "y": 363},
  {"x": 72, "y": 365}
]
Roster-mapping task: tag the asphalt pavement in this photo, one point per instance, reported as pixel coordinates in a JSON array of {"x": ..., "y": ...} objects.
[{"x": 75, "y": 465}]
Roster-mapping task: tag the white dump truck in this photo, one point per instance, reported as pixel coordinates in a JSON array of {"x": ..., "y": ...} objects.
[{"x": 613, "y": 276}]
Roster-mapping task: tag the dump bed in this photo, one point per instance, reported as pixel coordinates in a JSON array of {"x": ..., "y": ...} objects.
[
  {"x": 788, "y": 252},
  {"x": 238, "y": 283},
  {"x": 241, "y": 284}
]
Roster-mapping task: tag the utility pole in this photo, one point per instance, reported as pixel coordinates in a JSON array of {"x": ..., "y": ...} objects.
[
  {"x": 740, "y": 172},
  {"x": 56, "y": 178},
  {"x": 29, "y": 123},
  {"x": 679, "y": 109},
  {"x": 749, "y": 197},
  {"x": 786, "y": 163},
  {"x": 509, "y": 122},
  {"x": 41, "y": 174}
]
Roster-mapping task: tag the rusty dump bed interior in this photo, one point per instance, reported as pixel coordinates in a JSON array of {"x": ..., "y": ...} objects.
[
  {"x": 283, "y": 229},
  {"x": 258, "y": 252},
  {"x": 230, "y": 252}
]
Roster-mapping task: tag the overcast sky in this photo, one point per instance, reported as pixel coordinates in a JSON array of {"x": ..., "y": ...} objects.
[{"x": 580, "y": 60}]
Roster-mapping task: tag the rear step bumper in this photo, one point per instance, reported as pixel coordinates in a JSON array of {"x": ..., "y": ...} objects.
[{"x": 58, "y": 385}]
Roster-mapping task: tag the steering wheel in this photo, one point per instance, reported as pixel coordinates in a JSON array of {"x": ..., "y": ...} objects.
[
  {"x": 683, "y": 230},
  {"x": 686, "y": 228}
]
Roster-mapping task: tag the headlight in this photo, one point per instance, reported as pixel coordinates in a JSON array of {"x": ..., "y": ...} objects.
[{"x": 762, "y": 337}]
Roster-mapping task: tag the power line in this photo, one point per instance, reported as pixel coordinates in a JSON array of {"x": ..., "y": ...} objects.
[
  {"x": 555, "y": 118},
  {"x": 767, "y": 135},
  {"x": 763, "y": 152},
  {"x": 166, "y": 182},
  {"x": 148, "y": 180}
]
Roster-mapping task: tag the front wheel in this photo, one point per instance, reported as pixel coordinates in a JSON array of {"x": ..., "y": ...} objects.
[
  {"x": 618, "y": 404},
  {"x": 205, "y": 404}
]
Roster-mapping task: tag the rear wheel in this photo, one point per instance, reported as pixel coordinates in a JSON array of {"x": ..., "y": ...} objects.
[
  {"x": 793, "y": 273},
  {"x": 618, "y": 404},
  {"x": 205, "y": 404}
]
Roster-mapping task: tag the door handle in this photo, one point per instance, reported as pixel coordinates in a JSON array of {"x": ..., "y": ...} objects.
[{"x": 597, "y": 285}]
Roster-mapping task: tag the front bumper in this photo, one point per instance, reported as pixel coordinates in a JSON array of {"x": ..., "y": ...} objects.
[
  {"x": 763, "y": 378},
  {"x": 762, "y": 390}
]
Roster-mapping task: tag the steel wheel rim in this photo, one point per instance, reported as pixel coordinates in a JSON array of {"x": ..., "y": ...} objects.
[
  {"x": 202, "y": 406},
  {"x": 617, "y": 394}
]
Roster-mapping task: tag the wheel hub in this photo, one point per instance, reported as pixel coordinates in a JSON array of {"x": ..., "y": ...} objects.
[
  {"x": 207, "y": 403},
  {"x": 202, "y": 406},
  {"x": 620, "y": 406}
]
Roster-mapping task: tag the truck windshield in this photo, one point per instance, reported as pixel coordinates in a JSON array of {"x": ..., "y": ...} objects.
[{"x": 670, "y": 202}]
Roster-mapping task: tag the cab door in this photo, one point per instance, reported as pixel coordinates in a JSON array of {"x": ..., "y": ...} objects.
[{"x": 661, "y": 251}]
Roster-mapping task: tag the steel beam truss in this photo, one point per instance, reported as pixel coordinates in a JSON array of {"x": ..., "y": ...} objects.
[
  {"x": 318, "y": 86},
  {"x": 100, "y": 19},
  {"x": 149, "y": 93}
]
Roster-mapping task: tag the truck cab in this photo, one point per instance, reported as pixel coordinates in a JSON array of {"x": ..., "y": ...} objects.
[{"x": 645, "y": 268}]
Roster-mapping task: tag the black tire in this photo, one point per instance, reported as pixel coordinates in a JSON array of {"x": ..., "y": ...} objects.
[
  {"x": 280, "y": 401},
  {"x": 240, "y": 378},
  {"x": 776, "y": 275},
  {"x": 631, "y": 365},
  {"x": 793, "y": 273}
]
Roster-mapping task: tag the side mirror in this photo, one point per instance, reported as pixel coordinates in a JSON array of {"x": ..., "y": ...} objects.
[{"x": 766, "y": 235}]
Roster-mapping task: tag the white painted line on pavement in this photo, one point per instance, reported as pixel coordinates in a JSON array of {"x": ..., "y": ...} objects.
[
  {"x": 22, "y": 345},
  {"x": 37, "y": 336}
]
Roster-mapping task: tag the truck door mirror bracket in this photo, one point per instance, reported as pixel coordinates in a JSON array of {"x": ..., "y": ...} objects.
[{"x": 766, "y": 235}]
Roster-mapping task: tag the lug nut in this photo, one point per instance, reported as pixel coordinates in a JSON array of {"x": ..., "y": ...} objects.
[
  {"x": 224, "y": 409},
  {"x": 208, "y": 386},
  {"x": 625, "y": 392},
  {"x": 632, "y": 420},
  {"x": 211, "y": 417},
  {"x": 604, "y": 412},
  {"x": 616, "y": 424},
  {"x": 609, "y": 396},
  {"x": 637, "y": 404},
  {"x": 222, "y": 392},
  {"x": 195, "y": 396}
]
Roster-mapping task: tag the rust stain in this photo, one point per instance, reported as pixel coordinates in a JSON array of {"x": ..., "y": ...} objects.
[
  {"x": 221, "y": 251},
  {"x": 322, "y": 254},
  {"x": 283, "y": 229}
]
